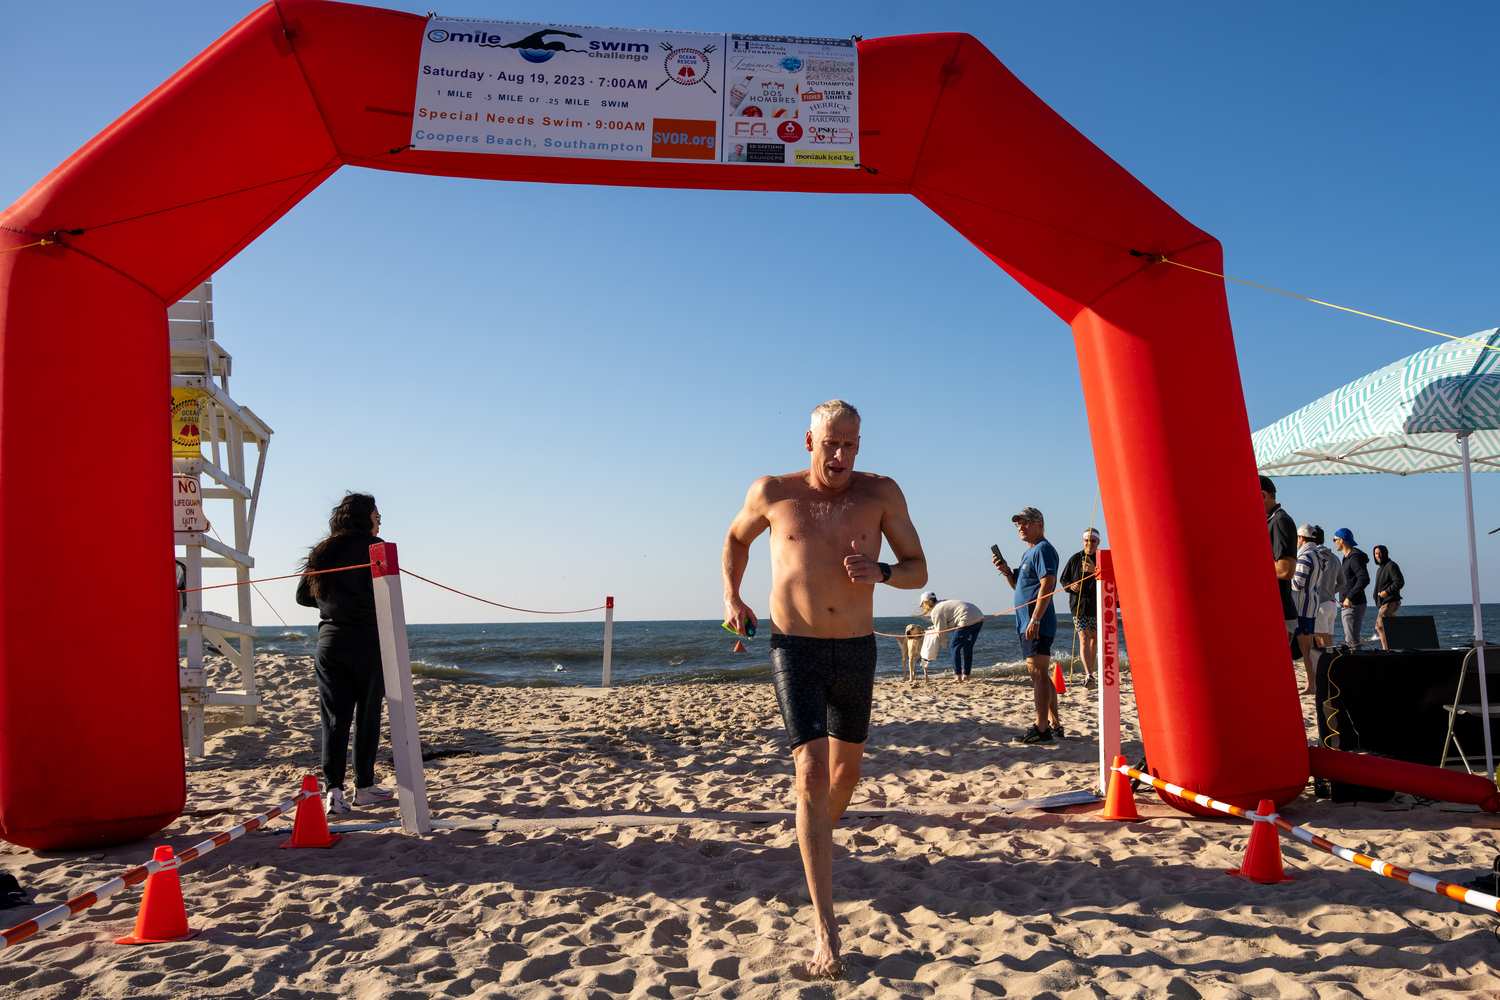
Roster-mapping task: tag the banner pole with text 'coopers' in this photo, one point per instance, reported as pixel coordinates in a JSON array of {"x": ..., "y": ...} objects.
[
  {"x": 609, "y": 635},
  {"x": 1109, "y": 668},
  {"x": 400, "y": 698}
]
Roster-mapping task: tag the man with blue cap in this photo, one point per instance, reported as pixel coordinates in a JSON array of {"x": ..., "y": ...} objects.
[{"x": 1356, "y": 579}]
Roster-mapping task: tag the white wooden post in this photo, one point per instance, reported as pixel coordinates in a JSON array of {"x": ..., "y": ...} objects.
[
  {"x": 400, "y": 699},
  {"x": 1109, "y": 668},
  {"x": 609, "y": 634}
]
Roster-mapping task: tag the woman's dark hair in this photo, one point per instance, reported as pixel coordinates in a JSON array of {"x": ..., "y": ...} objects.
[{"x": 352, "y": 516}]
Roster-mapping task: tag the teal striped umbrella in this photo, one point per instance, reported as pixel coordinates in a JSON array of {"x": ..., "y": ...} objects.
[
  {"x": 1402, "y": 419},
  {"x": 1435, "y": 411}
]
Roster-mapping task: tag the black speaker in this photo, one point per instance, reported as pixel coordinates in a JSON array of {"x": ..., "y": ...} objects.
[{"x": 1410, "y": 632}]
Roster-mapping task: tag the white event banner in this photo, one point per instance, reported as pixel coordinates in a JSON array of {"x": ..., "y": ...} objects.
[{"x": 531, "y": 89}]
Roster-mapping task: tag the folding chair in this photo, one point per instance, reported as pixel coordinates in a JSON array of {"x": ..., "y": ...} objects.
[{"x": 1458, "y": 707}]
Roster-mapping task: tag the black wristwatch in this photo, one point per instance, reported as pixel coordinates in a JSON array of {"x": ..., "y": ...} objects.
[{"x": 885, "y": 571}]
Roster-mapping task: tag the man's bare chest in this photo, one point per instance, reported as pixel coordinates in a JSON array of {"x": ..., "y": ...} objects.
[{"x": 817, "y": 520}]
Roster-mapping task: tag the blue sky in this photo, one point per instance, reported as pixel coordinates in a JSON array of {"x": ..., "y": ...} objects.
[{"x": 555, "y": 397}]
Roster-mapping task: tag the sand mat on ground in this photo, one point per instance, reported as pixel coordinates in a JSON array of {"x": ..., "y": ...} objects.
[{"x": 938, "y": 893}]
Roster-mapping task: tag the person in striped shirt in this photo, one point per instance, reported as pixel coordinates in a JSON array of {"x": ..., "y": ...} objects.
[{"x": 1306, "y": 596}]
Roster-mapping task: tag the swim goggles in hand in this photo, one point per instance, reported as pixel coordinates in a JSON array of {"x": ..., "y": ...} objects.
[{"x": 749, "y": 632}]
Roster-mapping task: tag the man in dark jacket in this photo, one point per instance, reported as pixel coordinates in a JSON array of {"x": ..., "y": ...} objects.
[
  {"x": 1283, "y": 553},
  {"x": 1356, "y": 579},
  {"x": 1388, "y": 584}
]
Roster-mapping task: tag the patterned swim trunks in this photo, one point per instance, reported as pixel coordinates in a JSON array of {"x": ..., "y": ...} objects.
[{"x": 824, "y": 686}]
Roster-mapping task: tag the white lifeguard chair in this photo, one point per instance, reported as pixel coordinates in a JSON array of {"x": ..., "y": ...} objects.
[{"x": 225, "y": 532}]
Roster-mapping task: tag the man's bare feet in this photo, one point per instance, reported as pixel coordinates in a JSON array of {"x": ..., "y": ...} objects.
[{"x": 825, "y": 962}]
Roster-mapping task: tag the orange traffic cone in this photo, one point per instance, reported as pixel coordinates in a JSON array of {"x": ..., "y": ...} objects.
[
  {"x": 163, "y": 917},
  {"x": 1263, "y": 854},
  {"x": 1119, "y": 803},
  {"x": 1057, "y": 679},
  {"x": 310, "y": 828},
  {"x": 739, "y": 647}
]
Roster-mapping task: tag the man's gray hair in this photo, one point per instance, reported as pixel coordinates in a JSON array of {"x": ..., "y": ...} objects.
[{"x": 834, "y": 409}]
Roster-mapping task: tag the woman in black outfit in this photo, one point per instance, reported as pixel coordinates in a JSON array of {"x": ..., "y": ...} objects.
[{"x": 351, "y": 685}]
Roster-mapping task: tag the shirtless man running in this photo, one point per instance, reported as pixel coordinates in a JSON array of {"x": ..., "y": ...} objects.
[{"x": 826, "y": 525}]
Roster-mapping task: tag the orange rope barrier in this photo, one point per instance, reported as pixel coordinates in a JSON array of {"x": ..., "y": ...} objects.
[
  {"x": 507, "y": 607},
  {"x": 1000, "y": 614},
  {"x": 246, "y": 583}
]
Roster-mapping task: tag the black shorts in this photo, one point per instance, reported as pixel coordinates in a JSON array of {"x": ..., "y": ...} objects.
[
  {"x": 1040, "y": 646},
  {"x": 824, "y": 686}
]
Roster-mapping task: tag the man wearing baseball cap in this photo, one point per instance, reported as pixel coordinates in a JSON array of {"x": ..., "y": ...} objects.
[
  {"x": 1356, "y": 579},
  {"x": 1036, "y": 620},
  {"x": 1307, "y": 597}
]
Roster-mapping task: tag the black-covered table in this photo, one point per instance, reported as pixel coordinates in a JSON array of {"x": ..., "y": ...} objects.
[{"x": 1392, "y": 702}]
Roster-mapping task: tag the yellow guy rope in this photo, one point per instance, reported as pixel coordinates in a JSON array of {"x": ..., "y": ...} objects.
[{"x": 1161, "y": 259}]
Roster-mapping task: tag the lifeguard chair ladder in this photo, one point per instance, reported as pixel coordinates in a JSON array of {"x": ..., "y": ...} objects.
[{"x": 228, "y": 429}]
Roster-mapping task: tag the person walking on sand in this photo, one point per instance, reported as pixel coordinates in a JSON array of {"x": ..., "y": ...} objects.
[
  {"x": 958, "y": 624},
  {"x": 1036, "y": 618},
  {"x": 826, "y": 525},
  {"x": 1083, "y": 602},
  {"x": 351, "y": 684}
]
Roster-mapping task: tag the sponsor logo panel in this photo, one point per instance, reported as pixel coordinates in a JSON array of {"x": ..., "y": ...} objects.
[
  {"x": 684, "y": 139},
  {"x": 823, "y": 158},
  {"x": 526, "y": 88}
]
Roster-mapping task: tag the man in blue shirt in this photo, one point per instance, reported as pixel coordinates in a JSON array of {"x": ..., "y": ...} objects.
[{"x": 1036, "y": 620}]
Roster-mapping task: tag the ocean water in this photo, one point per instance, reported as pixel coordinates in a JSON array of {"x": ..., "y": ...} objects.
[{"x": 570, "y": 653}]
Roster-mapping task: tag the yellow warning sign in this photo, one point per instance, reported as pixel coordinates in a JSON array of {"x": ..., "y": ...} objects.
[{"x": 187, "y": 416}]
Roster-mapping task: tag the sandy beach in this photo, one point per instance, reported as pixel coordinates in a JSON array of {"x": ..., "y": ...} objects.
[{"x": 594, "y": 887}]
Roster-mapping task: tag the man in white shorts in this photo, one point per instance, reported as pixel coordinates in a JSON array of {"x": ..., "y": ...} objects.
[{"x": 1333, "y": 576}]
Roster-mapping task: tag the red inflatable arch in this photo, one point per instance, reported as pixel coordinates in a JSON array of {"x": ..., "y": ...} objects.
[{"x": 90, "y": 750}]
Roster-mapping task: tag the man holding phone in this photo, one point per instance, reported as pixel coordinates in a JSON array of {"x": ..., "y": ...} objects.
[
  {"x": 826, "y": 524},
  {"x": 1036, "y": 620}
]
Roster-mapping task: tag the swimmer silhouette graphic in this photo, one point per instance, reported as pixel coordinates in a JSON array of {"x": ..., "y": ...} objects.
[
  {"x": 534, "y": 49},
  {"x": 826, "y": 524}
]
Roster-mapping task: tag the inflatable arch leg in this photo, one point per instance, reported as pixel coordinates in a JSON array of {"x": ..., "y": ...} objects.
[{"x": 89, "y": 747}]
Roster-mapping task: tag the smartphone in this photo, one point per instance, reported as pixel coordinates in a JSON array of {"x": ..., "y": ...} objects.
[{"x": 996, "y": 549}]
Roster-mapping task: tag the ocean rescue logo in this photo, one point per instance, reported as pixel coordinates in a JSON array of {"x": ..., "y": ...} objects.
[{"x": 686, "y": 66}]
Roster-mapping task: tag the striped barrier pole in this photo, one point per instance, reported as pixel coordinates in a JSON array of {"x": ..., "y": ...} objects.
[
  {"x": 1473, "y": 897},
  {"x": 400, "y": 693},
  {"x": 125, "y": 880}
]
